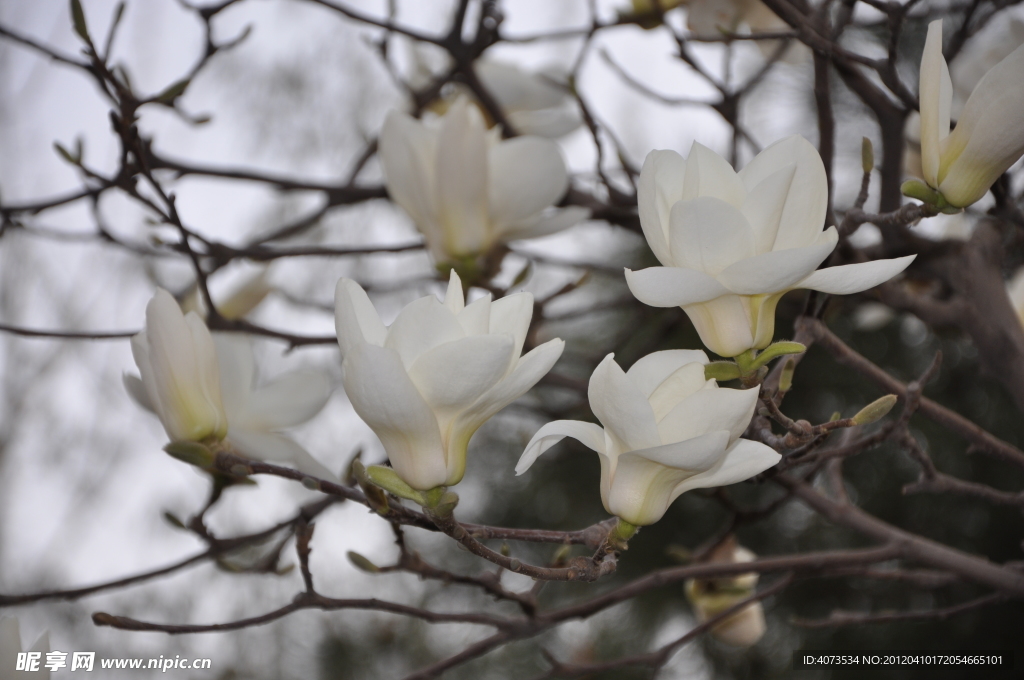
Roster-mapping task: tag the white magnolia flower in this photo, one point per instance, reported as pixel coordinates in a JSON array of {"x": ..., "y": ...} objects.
[
  {"x": 734, "y": 243},
  {"x": 466, "y": 189},
  {"x": 989, "y": 135},
  {"x": 257, "y": 413},
  {"x": 178, "y": 364},
  {"x": 427, "y": 382},
  {"x": 10, "y": 647},
  {"x": 711, "y": 597},
  {"x": 666, "y": 430}
]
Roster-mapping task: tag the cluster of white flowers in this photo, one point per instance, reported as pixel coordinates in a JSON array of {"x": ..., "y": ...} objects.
[{"x": 731, "y": 245}]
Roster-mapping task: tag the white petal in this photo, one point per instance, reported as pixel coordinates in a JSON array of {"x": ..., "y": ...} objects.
[
  {"x": 462, "y": 180},
  {"x": 407, "y": 149},
  {"x": 936, "y": 97},
  {"x": 648, "y": 372},
  {"x": 644, "y": 482},
  {"x": 588, "y": 434},
  {"x": 684, "y": 382},
  {"x": 454, "y": 298},
  {"x": 531, "y": 367},
  {"x": 708, "y": 235},
  {"x": 777, "y": 270},
  {"x": 527, "y": 174},
  {"x": 550, "y": 221},
  {"x": 355, "y": 319},
  {"x": 386, "y": 399},
  {"x": 422, "y": 325},
  {"x": 989, "y": 136},
  {"x": 853, "y": 278},
  {"x": 672, "y": 286},
  {"x": 622, "y": 408},
  {"x": 277, "y": 448},
  {"x": 709, "y": 175},
  {"x": 724, "y": 324},
  {"x": 289, "y": 400},
  {"x": 476, "y": 318},
  {"x": 764, "y": 204},
  {"x": 237, "y": 372},
  {"x": 659, "y": 188},
  {"x": 512, "y": 314},
  {"x": 137, "y": 391},
  {"x": 551, "y": 123},
  {"x": 710, "y": 411},
  {"x": 452, "y": 376},
  {"x": 804, "y": 213},
  {"x": 743, "y": 460}
]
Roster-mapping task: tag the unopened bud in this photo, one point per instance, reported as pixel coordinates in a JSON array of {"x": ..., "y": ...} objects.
[
  {"x": 786, "y": 377},
  {"x": 875, "y": 410},
  {"x": 867, "y": 155},
  {"x": 362, "y": 563}
]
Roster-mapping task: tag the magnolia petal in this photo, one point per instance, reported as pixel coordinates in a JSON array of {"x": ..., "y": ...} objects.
[
  {"x": 512, "y": 314},
  {"x": 475, "y": 319},
  {"x": 648, "y": 372},
  {"x": 853, "y": 278},
  {"x": 461, "y": 173},
  {"x": 237, "y": 365},
  {"x": 407, "y": 149},
  {"x": 530, "y": 368},
  {"x": 708, "y": 175},
  {"x": 989, "y": 136},
  {"x": 422, "y": 325},
  {"x": 527, "y": 174},
  {"x": 588, "y": 434},
  {"x": 386, "y": 399},
  {"x": 643, "y": 483},
  {"x": 516, "y": 89},
  {"x": 708, "y": 235},
  {"x": 273, "y": 447},
  {"x": 777, "y": 270},
  {"x": 355, "y": 319},
  {"x": 550, "y": 221},
  {"x": 936, "y": 97},
  {"x": 659, "y": 188},
  {"x": 724, "y": 324},
  {"x": 551, "y": 122},
  {"x": 742, "y": 460},
  {"x": 807, "y": 200},
  {"x": 673, "y": 286},
  {"x": 764, "y": 204},
  {"x": 454, "y": 299},
  {"x": 137, "y": 391},
  {"x": 710, "y": 411},
  {"x": 622, "y": 408},
  {"x": 682, "y": 383},
  {"x": 452, "y": 376},
  {"x": 289, "y": 400}
]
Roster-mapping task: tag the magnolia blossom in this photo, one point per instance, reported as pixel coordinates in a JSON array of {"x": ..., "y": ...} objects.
[
  {"x": 238, "y": 302},
  {"x": 466, "y": 189},
  {"x": 10, "y": 647},
  {"x": 666, "y": 430},
  {"x": 734, "y": 243},
  {"x": 711, "y": 597},
  {"x": 989, "y": 135},
  {"x": 427, "y": 382},
  {"x": 178, "y": 364}
]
